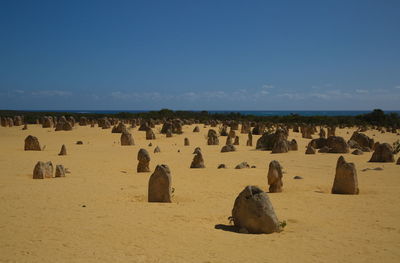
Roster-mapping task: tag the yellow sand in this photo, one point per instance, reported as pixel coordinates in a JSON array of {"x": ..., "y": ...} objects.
[{"x": 45, "y": 221}]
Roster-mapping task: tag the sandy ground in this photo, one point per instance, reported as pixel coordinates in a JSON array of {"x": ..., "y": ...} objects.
[{"x": 46, "y": 221}]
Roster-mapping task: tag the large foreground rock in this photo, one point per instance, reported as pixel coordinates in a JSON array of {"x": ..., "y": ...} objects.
[
  {"x": 253, "y": 212},
  {"x": 160, "y": 189},
  {"x": 383, "y": 153},
  {"x": 346, "y": 181}
]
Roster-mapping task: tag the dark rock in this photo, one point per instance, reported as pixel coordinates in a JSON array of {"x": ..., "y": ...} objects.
[
  {"x": 242, "y": 165},
  {"x": 275, "y": 177},
  {"x": 43, "y": 170},
  {"x": 310, "y": 149},
  {"x": 324, "y": 149},
  {"x": 160, "y": 185},
  {"x": 212, "y": 137},
  {"x": 32, "y": 144},
  {"x": 197, "y": 150},
  {"x": 186, "y": 142},
  {"x": 150, "y": 134},
  {"x": 383, "y": 153},
  {"x": 127, "y": 139},
  {"x": 157, "y": 149},
  {"x": 337, "y": 144},
  {"x": 293, "y": 145},
  {"x": 198, "y": 161},
  {"x": 249, "y": 139},
  {"x": 357, "y": 152},
  {"x": 63, "y": 150},
  {"x": 144, "y": 161},
  {"x": 228, "y": 148},
  {"x": 362, "y": 139},
  {"x": 60, "y": 171}
]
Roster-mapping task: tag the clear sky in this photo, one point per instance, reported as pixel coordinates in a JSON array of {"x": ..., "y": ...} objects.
[{"x": 200, "y": 55}]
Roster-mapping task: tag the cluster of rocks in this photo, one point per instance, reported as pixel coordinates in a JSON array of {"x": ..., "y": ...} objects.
[
  {"x": 64, "y": 125},
  {"x": 44, "y": 170},
  {"x": 362, "y": 142},
  {"x": 333, "y": 144},
  {"x": 172, "y": 126},
  {"x": 120, "y": 128},
  {"x": 276, "y": 142},
  {"x": 10, "y": 122}
]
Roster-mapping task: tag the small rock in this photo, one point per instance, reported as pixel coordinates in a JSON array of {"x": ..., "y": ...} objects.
[
  {"x": 242, "y": 165},
  {"x": 60, "y": 171},
  {"x": 357, "y": 152},
  {"x": 221, "y": 166}
]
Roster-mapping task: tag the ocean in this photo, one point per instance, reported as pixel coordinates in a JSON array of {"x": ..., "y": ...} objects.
[{"x": 255, "y": 113}]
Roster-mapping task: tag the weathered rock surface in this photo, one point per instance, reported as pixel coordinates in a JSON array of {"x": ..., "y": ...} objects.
[
  {"x": 254, "y": 213},
  {"x": 160, "y": 185},
  {"x": 346, "y": 181}
]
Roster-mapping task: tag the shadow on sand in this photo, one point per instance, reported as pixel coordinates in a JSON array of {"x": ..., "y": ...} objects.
[{"x": 228, "y": 228}]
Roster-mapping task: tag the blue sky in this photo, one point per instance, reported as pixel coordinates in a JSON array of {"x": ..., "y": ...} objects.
[{"x": 211, "y": 55}]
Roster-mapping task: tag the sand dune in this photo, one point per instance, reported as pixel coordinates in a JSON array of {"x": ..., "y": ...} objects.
[{"x": 100, "y": 213}]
